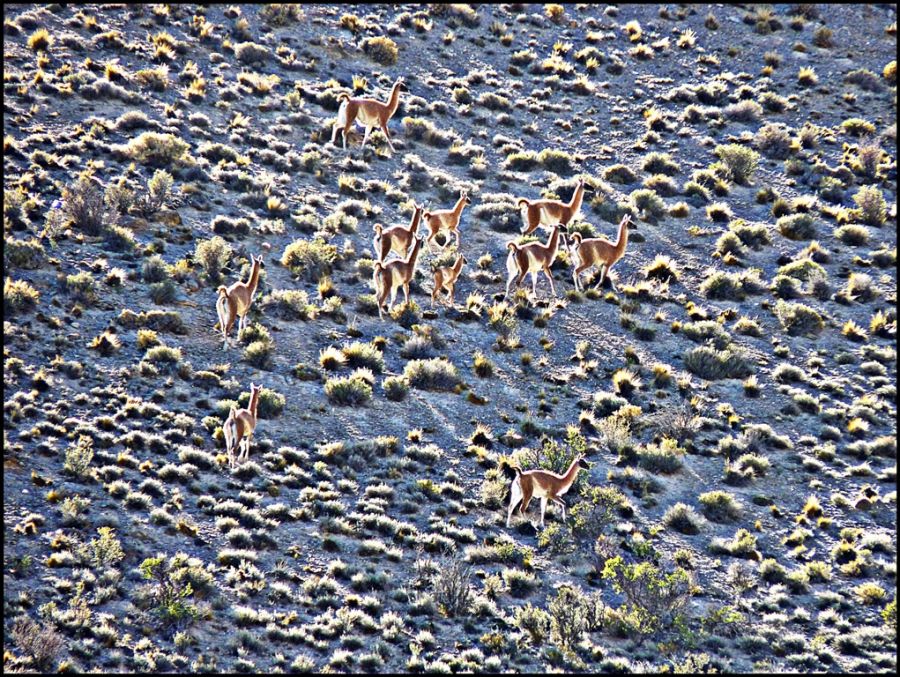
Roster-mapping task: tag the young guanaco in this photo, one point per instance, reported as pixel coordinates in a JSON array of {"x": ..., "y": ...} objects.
[
  {"x": 542, "y": 484},
  {"x": 239, "y": 426},
  {"x": 547, "y": 212},
  {"x": 398, "y": 238},
  {"x": 235, "y": 301},
  {"x": 445, "y": 278},
  {"x": 532, "y": 258},
  {"x": 389, "y": 277},
  {"x": 446, "y": 219},
  {"x": 598, "y": 251},
  {"x": 368, "y": 113}
]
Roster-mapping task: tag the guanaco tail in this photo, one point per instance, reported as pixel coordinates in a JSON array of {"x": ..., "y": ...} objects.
[
  {"x": 446, "y": 219},
  {"x": 368, "y": 113},
  {"x": 598, "y": 251},
  {"x": 235, "y": 301},
  {"x": 547, "y": 212},
  {"x": 239, "y": 426},
  {"x": 532, "y": 258},
  {"x": 543, "y": 484},
  {"x": 397, "y": 239},
  {"x": 389, "y": 277},
  {"x": 445, "y": 278}
]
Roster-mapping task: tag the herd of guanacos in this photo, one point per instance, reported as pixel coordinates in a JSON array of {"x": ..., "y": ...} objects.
[{"x": 234, "y": 301}]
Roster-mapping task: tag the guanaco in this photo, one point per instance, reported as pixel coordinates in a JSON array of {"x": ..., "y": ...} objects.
[
  {"x": 446, "y": 219},
  {"x": 235, "y": 301},
  {"x": 366, "y": 112},
  {"x": 239, "y": 426},
  {"x": 398, "y": 238},
  {"x": 598, "y": 251},
  {"x": 532, "y": 258},
  {"x": 543, "y": 484},
  {"x": 547, "y": 212},
  {"x": 389, "y": 277},
  {"x": 445, "y": 278}
]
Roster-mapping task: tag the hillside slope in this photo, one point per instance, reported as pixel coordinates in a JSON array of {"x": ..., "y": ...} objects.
[{"x": 733, "y": 385}]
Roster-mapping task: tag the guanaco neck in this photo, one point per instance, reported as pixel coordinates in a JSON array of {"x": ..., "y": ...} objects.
[
  {"x": 460, "y": 203},
  {"x": 254, "y": 278},
  {"x": 394, "y": 101},
  {"x": 457, "y": 266},
  {"x": 411, "y": 261},
  {"x": 577, "y": 197},
  {"x": 414, "y": 224},
  {"x": 553, "y": 242},
  {"x": 254, "y": 401},
  {"x": 622, "y": 239},
  {"x": 570, "y": 474}
]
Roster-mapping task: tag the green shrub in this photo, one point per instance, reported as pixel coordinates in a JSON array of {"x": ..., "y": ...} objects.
[
  {"x": 665, "y": 457},
  {"x": 872, "y": 205},
  {"x": 682, "y": 518},
  {"x": 359, "y": 354},
  {"x": 28, "y": 254},
  {"x": 432, "y": 374},
  {"x": 290, "y": 304},
  {"x": 18, "y": 296},
  {"x": 311, "y": 259},
  {"x": 720, "y": 285},
  {"x": 798, "y": 319},
  {"x": 84, "y": 204},
  {"x": 155, "y": 149},
  {"x": 648, "y": 203},
  {"x": 654, "y": 599},
  {"x": 797, "y": 226},
  {"x": 658, "y": 163},
  {"x": 711, "y": 364},
  {"x": 348, "y": 390},
  {"x": 212, "y": 255},
  {"x": 382, "y": 50},
  {"x": 395, "y": 388},
  {"x": 720, "y": 506},
  {"x": 740, "y": 161},
  {"x": 619, "y": 174}
]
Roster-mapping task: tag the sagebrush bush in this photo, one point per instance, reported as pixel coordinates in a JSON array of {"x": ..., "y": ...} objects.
[{"x": 872, "y": 205}]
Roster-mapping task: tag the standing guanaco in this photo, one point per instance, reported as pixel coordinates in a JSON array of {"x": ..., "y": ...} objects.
[
  {"x": 445, "y": 278},
  {"x": 543, "y": 484},
  {"x": 598, "y": 251},
  {"x": 239, "y": 426},
  {"x": 446, "y": 219},
  {"x": 368, "y": 113},
  {"x": 398, "y": 238},
  {"x": 389, "y": 277},
  {"x": 532, "y": 258},
  {"x": 546, "y": 212},
  {"x": 235, "y": 301}
]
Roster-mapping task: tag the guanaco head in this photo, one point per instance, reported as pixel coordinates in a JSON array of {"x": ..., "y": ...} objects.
[
  {"x": 222, "y": 290},
  {"x": 401, "y": 85},
  {"x": 254, "y": 389},
  {"x": 426, "y": 215},
  {"x": 466, "y": 198},
  {"x": 378, "y": 228},
  {"x": 582, "y": 183},
  {"x": 512, "y": 246},
  {"x": 522, "y": 201},
  {"x": 576, "y": 238},
  {"x": 258, "y": 259},
  {"x": 343, "y": 96}
]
